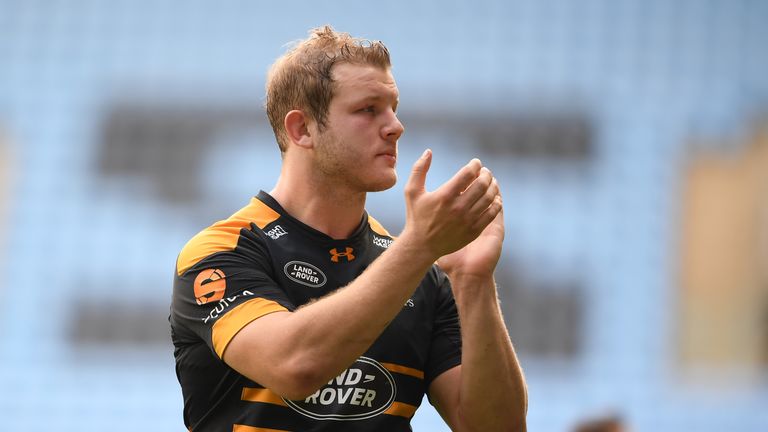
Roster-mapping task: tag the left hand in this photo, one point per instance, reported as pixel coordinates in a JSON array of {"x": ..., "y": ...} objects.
[{"x": 478, "y": 259}]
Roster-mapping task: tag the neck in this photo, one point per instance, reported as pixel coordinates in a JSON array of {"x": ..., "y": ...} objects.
[{"x": 329, "y": 208}]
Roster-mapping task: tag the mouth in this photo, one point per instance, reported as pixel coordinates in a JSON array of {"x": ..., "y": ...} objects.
[{"x": 389, "y": 156}]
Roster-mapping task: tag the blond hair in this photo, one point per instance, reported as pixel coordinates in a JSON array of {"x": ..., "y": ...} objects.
[{"x": 301, "y": 79}]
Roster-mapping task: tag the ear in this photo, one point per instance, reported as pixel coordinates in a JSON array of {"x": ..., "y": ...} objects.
[{"x": 297, "y": 128}]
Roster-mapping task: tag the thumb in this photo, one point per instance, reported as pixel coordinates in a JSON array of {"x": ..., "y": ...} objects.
[{"x": 416, "y": 183}]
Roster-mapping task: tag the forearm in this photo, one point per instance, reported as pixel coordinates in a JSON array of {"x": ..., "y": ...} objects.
[
  {"x": 327, "y": 335},
  {"x": 492, "y": 395}
]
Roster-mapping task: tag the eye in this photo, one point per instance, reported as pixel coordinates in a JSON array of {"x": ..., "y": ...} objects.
[{"x": 369, "y": 109}]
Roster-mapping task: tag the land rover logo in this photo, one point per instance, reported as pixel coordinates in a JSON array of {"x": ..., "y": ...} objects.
[
  {"x": 305, "y": 274},
  {"x": 362, "y": 391}
]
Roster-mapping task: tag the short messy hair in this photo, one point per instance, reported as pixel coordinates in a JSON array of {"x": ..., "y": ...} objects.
[{"x": 301, "y": 78}]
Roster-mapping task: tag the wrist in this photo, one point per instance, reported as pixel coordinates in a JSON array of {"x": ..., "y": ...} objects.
[
  {"x": 417, "y": 246},
  {"x": 470, "y": 281},
  {"x": 475, "y": 289},
  {"x": 473, "y": 292}
]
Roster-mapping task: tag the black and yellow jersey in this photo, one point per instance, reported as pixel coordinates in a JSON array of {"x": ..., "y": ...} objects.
[{"x": 262, "y": 260}]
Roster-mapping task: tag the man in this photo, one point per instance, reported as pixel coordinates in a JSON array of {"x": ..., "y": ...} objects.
[{"x": 301, "y": 313}]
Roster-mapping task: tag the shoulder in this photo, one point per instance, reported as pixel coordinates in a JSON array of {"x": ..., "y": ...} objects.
[
  {"x": 377, "y": 227},
  {"x": 225, "y": 235}
]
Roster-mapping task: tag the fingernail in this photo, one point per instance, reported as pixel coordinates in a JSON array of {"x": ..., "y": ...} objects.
[{"x": 426, "y": 152}]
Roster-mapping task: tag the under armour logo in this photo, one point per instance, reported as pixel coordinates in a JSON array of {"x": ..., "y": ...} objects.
[{"x": 335, "y": 254}]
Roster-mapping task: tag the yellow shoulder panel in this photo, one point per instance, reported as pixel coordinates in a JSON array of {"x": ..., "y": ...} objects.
[
  {"x": 377, "y": 227},
  {"x": 243, "y": 314},
  {"x": 223, "y": 235}
]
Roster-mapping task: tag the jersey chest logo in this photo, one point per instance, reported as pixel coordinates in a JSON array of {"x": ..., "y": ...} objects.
[
  {"x": 305, "y": 274},
  {"x": 347, "y": 254},
  {"x": 366, "y": 389}
]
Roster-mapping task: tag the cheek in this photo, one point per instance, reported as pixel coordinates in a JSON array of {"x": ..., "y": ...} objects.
[{"x": 360, "y": 125}]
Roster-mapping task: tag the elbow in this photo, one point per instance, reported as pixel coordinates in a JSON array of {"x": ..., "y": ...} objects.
[
  {"x": 300, "y": 381},
  {"x": 300, "y": 387},
  {"x": 519, "y": 426},
  {"x": 513, "y": 420},
  {"x": 515, "y": 426},
  {"x": 518, "y": 422}
]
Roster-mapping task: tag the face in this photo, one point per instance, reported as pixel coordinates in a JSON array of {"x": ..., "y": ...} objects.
[{"x": 358, "y": 147}]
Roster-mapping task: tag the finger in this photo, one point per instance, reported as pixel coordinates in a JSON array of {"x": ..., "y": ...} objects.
[
  {"x": 477, "y": 189},
  {"x": 463, "y": 178},
  {"x": 417, "y": 180},
  {"x": 485, "y": 200},
  {"x": 494, "y": 210}
]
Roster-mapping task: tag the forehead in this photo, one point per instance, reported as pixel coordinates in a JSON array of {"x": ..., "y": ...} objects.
[{"x": 353, "y": 81}]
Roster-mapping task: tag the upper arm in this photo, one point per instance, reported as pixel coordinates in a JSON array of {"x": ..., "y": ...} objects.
[
  {"x": 220, "y": 297},
  {"x": 444, "y": 396},
  {"x": 231, "y": 303},
  {"x": 255, "y": 352}
]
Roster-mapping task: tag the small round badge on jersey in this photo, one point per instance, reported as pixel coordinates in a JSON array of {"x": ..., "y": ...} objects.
[{"x": 210, "y": 285}]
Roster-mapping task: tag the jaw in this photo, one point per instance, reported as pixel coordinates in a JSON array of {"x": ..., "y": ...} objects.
[{"x": 384, "y": 182}]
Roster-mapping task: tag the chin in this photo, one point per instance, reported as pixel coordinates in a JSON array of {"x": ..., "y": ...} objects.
[{"x": 383, "y": 184}]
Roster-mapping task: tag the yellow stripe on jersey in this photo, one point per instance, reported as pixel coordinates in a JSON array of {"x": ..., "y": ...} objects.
[
  {"x": 244, "y": 428},
  {"x": 401, "y": 409},
  {"x": 241, "y": 315},
  {"x": 262, "y": 395},
  {"x": 377, "y": 227},
  {"x": 223, "y": 235},
  {"x": 404, "y": 370}
]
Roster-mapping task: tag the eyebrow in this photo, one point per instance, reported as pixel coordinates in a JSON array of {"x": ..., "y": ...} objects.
[{"x": 377, "y": 98}]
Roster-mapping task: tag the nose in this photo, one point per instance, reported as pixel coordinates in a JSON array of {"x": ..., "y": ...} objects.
[{"x": 392, "y": 129}]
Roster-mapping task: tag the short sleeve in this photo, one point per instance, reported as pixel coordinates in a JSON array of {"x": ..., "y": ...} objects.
[
  {"x": 218, "y": 296},
  {"x": 445, "y": 347}
]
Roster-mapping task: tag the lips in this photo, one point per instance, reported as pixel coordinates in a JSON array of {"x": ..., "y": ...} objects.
[
  {"x": 391, "y": 157},
  {"x": 389, "y": 153}
]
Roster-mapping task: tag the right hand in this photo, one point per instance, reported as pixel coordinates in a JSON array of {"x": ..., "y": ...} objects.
[{"x": 454, "y": 214}]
